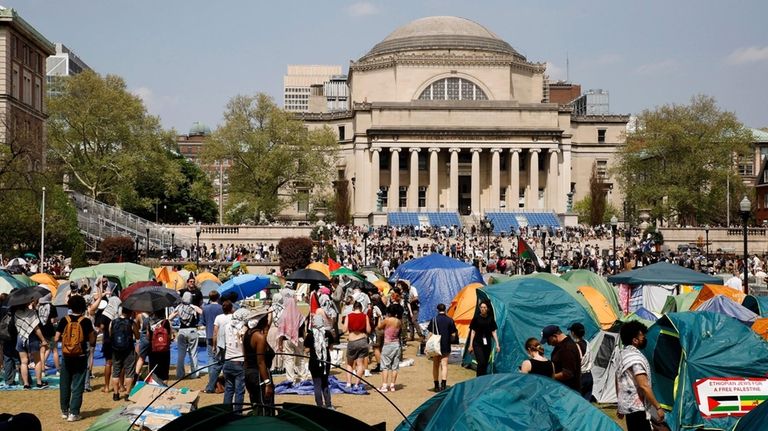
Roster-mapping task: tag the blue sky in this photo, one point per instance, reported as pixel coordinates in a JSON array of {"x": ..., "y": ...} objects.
[{"x": 187, "y": 58}]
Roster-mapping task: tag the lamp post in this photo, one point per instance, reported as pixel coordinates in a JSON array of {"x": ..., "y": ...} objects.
[
  {"x": 706, "y": 240},
  {"x": 198, "y": 229},
  {"x": 614, "y": 225},
  {"x": 365, "y": 248},
  {"x": 147, "y": 246},
  {"x": 745, "y": 207},
  {"x": 487, "y": 226},
  {"x": 173, "y": 237},
  {"x": 464, "y": 236},
  {"x": 42, "y": 234}
]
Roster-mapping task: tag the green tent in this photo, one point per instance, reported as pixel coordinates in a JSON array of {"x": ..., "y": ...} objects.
[
  {"x": 124, "y": 273},
  {"x": 512, "y": 402},
  {"x": 568, "y": 287},
  {"x": 348, "y": 272},
  {"x": 754, "y": 420},
  {"x": 663, "y": 273},
  {"x": 583, "y": 277},
  {"x": 679, "y": 303},
  {"x": 25, "y": 280},
  {"x": 689, "y": 350},
  {"x": 522, "y": 307}
]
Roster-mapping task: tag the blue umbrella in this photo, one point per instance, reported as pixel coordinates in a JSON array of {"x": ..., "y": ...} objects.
[
  {"x": 207, "y": 286},
  {"x": 245, "y": 285}
]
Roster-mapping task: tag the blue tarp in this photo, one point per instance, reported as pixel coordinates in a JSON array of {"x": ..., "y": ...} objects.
[
  {"x": 438, "y": 279},
  {"x": 724, "y": 305},
  {"x": 245, "y": 285},
  {"x": 307, "y": 388}
]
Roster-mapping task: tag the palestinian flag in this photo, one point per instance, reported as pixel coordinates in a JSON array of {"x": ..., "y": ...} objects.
[
  {"x": 724, "y": 404},
  {"x": 333, "y": 265},
  {"x": 525, "y": 251}
]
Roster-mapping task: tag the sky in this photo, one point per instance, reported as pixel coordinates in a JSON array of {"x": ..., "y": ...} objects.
[{"x": 187, "y": 58}]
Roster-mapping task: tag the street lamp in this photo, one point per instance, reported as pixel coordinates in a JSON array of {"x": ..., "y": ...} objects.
[
  {"x": 706, "y": 239},
  {"x": 745, "y": 207},
  {"x": 198, "y": 229},
  {"x": 365, "y": 248},
  {"x": 614, "y": 225},
  {"x": 488, "y": 227},
  {"x": 42, "y": 233},
  {"x": 147, "y": 247}
]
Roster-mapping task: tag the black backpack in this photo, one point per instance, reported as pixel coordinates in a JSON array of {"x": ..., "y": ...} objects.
[{"x": 122, "y": 335}]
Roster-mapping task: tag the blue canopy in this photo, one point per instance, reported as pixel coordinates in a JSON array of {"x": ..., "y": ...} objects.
[
  {"x": 438, "y": 279},
  {"x": 725, "y": 305},
  {"x": 664, "y": 273},
  {"x": 245, "y": 285}
]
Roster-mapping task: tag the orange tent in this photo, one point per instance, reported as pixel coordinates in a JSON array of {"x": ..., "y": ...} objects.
[
  {"x": 761, "y": 327},
  {"x": 321, "y": 267},
  {"x": 709, "y": 291},
  {"x": 161, "y": 274},
  {"x": 606, "y": 317},
  {"x": 203, "y": 276},
  {"x": 383, "y": 287},
  {"x": 46, "y": 280},
  {"x": 462, "y": 308}
]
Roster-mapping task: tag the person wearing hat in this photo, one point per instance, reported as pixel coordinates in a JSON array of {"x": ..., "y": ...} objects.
[
  {"x": 577, "y": 334},
  {"x": 186, "y": 339},
  {"x": 565, "y": 356}
]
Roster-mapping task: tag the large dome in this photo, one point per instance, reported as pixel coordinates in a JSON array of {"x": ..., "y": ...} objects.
[{"x": 442, "y": 32}]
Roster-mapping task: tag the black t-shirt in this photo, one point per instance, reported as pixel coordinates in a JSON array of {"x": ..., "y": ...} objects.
[
  {"x": 566, "y": 356},
  {"x": 445, "y": 327},
  {"x": 85, "y": 323},
  {"x": 106, "y": 324},
  {"x": 197, "y": 296},
  {"x": 47, "y": 327},
  {"x": 483, "y": 327}
]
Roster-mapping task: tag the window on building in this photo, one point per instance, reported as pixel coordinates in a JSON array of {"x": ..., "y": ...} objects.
[
  {"x": 763, "y": 153},
  {"x": 342, "y": 133},
  {"x": 765, "y": 176},
  {"x": 384, "y": 160},
  {"x": 403, "y": 160},
  {"x": 15, "y": 82},
  {"x": 765, "y": 200},
  {"x": 422, "y": 197},
  {"x": 521, "y": 199},
  {"x": 423, "y": 160},
  {"x": 503, "y": 197},
  {"x": 453, "y": 89},
  {"x": 38, "y": 96},
  {"x": 600, "y": 136},
  {"x": 503, "y": 157},
  {"x": 27, "y": 88},
  {"x": 602, "y": 169},
  {"x": 403, "y": 196},
  {"x": 747, "y": 165},
  {"x": 384, "y": 196},
  {"x": 302, "y": 201}
]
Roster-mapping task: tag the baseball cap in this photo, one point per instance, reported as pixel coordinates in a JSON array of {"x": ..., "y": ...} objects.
[{"x": 548, "y": 331}]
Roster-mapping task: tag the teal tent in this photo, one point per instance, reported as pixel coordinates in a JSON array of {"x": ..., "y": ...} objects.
[
  {"x": 755, "y": 420},
  {"x": 663, "y": 273},
  {"x": 522, "y": 307},
  {"x": 688, "y": 350},
  {"x": 679, "y": 303},
  {"x": 583, "y": 277},
  {"x": 503, "y": 402},
  {"x": 757, "y": 304}
]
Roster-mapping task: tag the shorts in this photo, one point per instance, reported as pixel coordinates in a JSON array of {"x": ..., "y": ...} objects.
[
  {"x": 29, "y": 346},
  {"x": 390, "y": 357},
  {"x": 379, "y": 339},
  {"x": 357, "y": 349},
  {"x": 106, "y": 351},
  {"x": 145, "y": 348},
  {"x": 124, "y": 361}
]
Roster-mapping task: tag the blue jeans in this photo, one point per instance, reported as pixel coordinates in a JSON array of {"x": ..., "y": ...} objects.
[
  {"x": 72, "y": 384},
  {"x": 234, "y": 376},
  {"x": 187, "y": 344},
  {"x": 10, "y": 366},
  {"x": 214, "y": 368}
]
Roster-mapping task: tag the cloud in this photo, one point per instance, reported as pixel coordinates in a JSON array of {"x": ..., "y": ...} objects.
[
  {"x": 658, "y": 68},
  {"x": 155, "y": 103},
  {"x": 362, "y": 8},
  {"x": 751, "y": 54},
  {"x": 555, "y": 73}
]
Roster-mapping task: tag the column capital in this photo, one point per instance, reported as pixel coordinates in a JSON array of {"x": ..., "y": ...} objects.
[
  {"x": 434, "y": 150},
  {"x": 395, "y": 149},
  {"x": 414, "y": 149},
  {"x": 454, "y": 150},
  {"x": 554, "y": 151},
  {"x": 534, "y": 150},
  {"x": 496, "y": 150},
  {"x": 515, "y": 150},
  {"x": 376, "y": 149},
  {"x": 476, "y": 150}
]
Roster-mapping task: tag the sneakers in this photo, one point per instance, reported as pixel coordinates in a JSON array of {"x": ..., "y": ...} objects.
[
  {"x": 383, "y": 388},
  {"x": 73, "y": 418},
  {"x": 367, "y": 373},
  {"x": 42, "y": 385},
  {"x": 330, "y": 408},
  {"x": 64, "y": 415},
  {"x": 27, "y": 387},
  {"x": 392, "y": 387},
  {"x": 115, "y": 397}
]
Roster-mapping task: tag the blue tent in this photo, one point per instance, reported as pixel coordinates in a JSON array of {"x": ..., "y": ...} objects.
[
  {"x": 663, "y": 273},
  {"x": 438, "y": 279},
  {"x": 502, "y": 402},
  {"x": 756, "y": 304},
  {"x": 725, "y": 305},
  {"x": 245, "y": 285},
  {"x": 522, "y": 307}
]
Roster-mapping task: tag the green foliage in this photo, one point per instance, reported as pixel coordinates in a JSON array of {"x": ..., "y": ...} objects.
[
  {"x": 270, "y": 152},
  {"x": 583, "y": 209},
  {"x": 680, "y": 157},
  {"x": 78, "y": 256},
  {"x": 117, "y": 249},
  {"x": 295, "y": 253},
  {"x": 657, "y": 237}
]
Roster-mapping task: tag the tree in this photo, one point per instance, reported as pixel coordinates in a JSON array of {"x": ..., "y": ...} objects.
[
  {"x": 295, "y": 253},
  {"x": 272, "y": 155},
  {"x": 118, "y": 249},
  {"x": 596, "y": 197},
  {"x": 679, "y": 158}
]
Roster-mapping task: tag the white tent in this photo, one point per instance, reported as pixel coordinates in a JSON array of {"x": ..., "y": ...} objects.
[{"x": 605, "y": 353}]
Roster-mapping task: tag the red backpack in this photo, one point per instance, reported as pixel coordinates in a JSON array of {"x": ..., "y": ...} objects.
[{"x": 161, "y": 339}]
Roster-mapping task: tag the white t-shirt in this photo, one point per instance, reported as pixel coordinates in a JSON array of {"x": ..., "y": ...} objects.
[
  {"x": 222, "y": 321},
  {"x": 734, "y": 283},
  {"x": 234, "y": 339}
]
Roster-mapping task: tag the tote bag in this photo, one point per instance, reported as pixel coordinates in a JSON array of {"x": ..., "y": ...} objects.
[{"x": 432, "y": 347}]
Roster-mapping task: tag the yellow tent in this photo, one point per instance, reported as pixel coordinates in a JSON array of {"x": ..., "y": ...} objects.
[
  {"x": 462, "y": 308},
  {"x": 203, "y": 276},
  {"x": 176, "y": 281},
  {"x": 606, "y": 317},
  {"x": 709, "y": 291},
  {"x": 161, "y": 274},
  {"x": 761, "y": 327},
  {"x": 46, "y": 280},
  {"x": 383, "y": 287},
  {"x": 320, "y": 266}
]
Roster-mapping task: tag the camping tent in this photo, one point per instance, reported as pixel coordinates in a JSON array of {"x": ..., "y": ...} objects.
[
  {"x": 438, "y": 279},
  {"x": 601, "y": 307},
  {"x": 642, "y": 315},
  {"x": 758, "y": 304},
  {"x": 507, "y": 402},
  {"x": 709, "y": 291},
  {"x": 583, "y": 277},
  {"x": 565, "y": 285},
  {"x": 761, "y": 327},
  {"x": 687, "y": 351},
  {"x": 462, "y": 308},
  {"x": 724, "y": 305},
  {"x": 125, "y": 273},
  {"x": 604, "y": 348},
  {"x": 754, "y": 420},
  {"x": 679, "y": 303},
  {"x": 522, "y": 307},
  {"x": 663, "y": 273}
]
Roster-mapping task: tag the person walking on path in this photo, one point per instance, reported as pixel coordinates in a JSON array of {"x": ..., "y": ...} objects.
[
  {"x": 208, "y": 319},
  {"x": 446, "y": 328},
  {"x": 577, "y": 334},
  {"x": 390, "y": 352},
  {"x": 186, "y": 339},
  {"x": 634, "y": 387},
  {"x": 77, "y": 337},
  {"x": 565, "y": 356},
  {"x": 482, "y": 333},
  {"x": 357, "y": 326},
  {"x": 536, "y": 362}
]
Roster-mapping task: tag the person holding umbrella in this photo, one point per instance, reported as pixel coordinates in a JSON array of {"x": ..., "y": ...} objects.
[{"x": 30, "y": 336}]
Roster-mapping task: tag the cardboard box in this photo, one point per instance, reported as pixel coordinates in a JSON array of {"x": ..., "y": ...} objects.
[{"x": 144, "y": 396}]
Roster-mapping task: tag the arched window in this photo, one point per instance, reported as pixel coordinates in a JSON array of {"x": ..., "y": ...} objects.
[{"x": 453, "y": 89}]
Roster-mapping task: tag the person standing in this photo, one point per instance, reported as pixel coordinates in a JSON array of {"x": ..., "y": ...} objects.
[
  {"x": 446, "y": 328},
  {"x": 77, "y": 337},
  {"x": 234, "y": 374},
  {"x": 219, "y": 337},
  {"x": 357, "y": 326},
  {"x": 123, "y": 333},
  {"x": 208, "y": 319},
  {"x": 48, "y": 321},
  {"x": 186, "y": 339},
  {"x": 316, "y": 342},
  {"x": 159, "y": 336},
  {"x": 481, "y": 336},
  {"x": 577, "y": 334},
  {"x": 565, "y": 356},
  {"x": 536, "y": 362},
  {"x": 634, "y": 387},
  {"x": 390, "y": 352},
  {"x": 30, "y": 340},
  {"x": 191, "y": 287},
  {"x": 258, "y": 356}
]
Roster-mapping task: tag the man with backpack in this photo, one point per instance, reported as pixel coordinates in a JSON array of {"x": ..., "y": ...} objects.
[
  {"x": 8, "y": 337},
  {"x": 76, "y": 335},
  {"x": 123, "y": 333},
  {"x": 187, "y": 339}
]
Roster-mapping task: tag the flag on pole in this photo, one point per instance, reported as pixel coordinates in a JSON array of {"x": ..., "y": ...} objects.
[{"x": 525, "y": 251}]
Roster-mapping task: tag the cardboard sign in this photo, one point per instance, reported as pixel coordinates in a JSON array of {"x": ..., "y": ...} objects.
[
  {"x": 729, "y": 396},
  {"x": 144, "y": 396}
]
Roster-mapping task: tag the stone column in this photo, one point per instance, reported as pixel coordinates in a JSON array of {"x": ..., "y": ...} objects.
[
  {"x": 362, "y": 170},
  {"x": 552, "y": 180},
  {"x": 513, "y": 193},
  {"x": 433, "y": 189},
  {"x": 565, "y": 176},
  {"x": 413, "y": 186},
  {"x": 394, "y": 179},
  {"x": 475, "y": 206},
  {"x": 533, "y": 179},
  {"x": 453, "y": 191},
  {"x": 495, "y": 179},
  {"x": 375, "y": 175}
]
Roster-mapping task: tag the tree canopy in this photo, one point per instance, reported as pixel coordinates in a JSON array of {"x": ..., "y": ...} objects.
[
  {"x": 272, "y": 155},
  {"x": 679, "y": 159}
]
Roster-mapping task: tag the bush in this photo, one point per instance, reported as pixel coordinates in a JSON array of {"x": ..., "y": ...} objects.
[
  {"x": 295, "y": 253},
  {"x": 117, "y": 249}
]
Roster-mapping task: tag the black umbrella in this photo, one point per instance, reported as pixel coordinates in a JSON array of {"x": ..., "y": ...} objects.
[
  {"x": 365, "y": 286},
  {"x": 25, "y": 295},
  {"x": 308, "y": 276},
  {"x": 151, "y": 299}
]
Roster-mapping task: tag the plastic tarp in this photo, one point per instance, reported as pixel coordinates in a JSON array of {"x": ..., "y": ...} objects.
[
  {"x": 605, "y": 314},
  {"x": 724, "y": 305},
  {"x": 679, "y": 303},
  {"x": 605, "y": 359},
  {"x": 709, "y": 291},
  {"x": 663, "y": 273},
  {"x": 522, "y": 307},
  {"x": 462, "y": 308},
  {"x": 125, "y": 273},
  {"x": 245, "y": 285},
  {"x": 583, "y": 277},
  {"x": 438, "y": 279},
  {"x": 508, "y": 402},
  {"x": 655, "y": 295},
  {"x": 567, "y": 287},
  {"x": 685, "y": 347}
]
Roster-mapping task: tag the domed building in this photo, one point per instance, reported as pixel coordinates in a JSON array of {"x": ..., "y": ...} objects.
[{"x": 447, "y": 117}]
